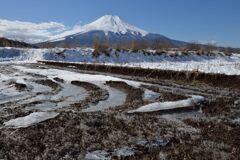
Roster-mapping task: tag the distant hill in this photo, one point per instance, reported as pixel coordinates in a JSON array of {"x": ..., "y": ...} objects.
[
  {"x": 112, "y": 30},
  {"x": 4, "y": 42}
]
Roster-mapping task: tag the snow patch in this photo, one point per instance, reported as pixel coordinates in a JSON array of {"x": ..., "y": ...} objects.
[
  {"x": 30, "y": 120},
  {"x": 237, "y": 121},
  {"x": 150, "y": 95},
  {"x": 124, "y": 152},
  {"x": 121, "y": 153},
  {"x": 161, "y": 106},
  {"x": 97, "y": 155}
]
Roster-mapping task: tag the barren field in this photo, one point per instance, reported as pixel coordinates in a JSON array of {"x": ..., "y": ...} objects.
[{"x": 66, "y": 111}]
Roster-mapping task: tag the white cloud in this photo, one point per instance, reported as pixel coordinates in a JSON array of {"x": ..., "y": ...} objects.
[
  {"x": 30, "y": 32},
  {"x": 75, "y": 29}
]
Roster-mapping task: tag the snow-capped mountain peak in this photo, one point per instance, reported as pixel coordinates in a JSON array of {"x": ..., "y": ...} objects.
[
  {"x": 107, "y": 23},
  {"x": 115, "y": 24},
  {"x": 107, "y": 28}
]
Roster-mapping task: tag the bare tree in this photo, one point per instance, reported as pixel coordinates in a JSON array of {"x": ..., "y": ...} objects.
[
  {"x": 160, "y": 45},
  {"x": 210, "y": 47},
  {"x": 66, "y": 45},
  {"x": 194, "y": 46},
  {"x": 138, "y": 45}
]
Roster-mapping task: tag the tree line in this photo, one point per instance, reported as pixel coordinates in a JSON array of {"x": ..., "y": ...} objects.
[{"x": 11, "y": 43}]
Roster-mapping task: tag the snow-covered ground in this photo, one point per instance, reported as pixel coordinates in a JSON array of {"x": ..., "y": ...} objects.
[{"x": 173, "y": 60}]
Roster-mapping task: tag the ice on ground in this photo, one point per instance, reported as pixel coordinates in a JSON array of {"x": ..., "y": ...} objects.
[
  {"x": 30, "y": 120},
  {"x": 116, "y": 98},
  {"x": 6, "y": 97},
  {"x": 153, "y": 143},
  {"x": 68, "y": 95},
  {"x": 161, "y": 106},
  {"x": 237, "y": 121},
  {"x": 9, "y": 92},
  {"x": 39, "y": 88},
  {"x": 73, "y": 76},
  {"x": 14, "y": 98},
  {"x": 103, "y": 155},
  {"x": 150, "y": 95},
  {"x": 41, "y": 97},
  {"x": 124, "y": 152},
  {"x": 97, "y": 155}
]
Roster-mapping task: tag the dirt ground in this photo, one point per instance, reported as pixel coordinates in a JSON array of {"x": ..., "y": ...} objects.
[{"x": 208, "y": 131}]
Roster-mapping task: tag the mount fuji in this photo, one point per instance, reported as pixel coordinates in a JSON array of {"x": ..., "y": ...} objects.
[{"x": 111, "y": 29}]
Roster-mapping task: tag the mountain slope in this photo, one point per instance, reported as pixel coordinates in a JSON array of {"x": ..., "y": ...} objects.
[{"x": 110, "y": 29}]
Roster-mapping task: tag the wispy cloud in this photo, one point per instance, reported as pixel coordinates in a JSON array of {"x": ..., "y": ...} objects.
[{"x": 30, "y": 32}]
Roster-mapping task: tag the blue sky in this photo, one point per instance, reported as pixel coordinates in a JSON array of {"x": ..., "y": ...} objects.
[{"x": 188, "y": 20}]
